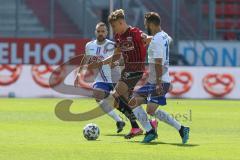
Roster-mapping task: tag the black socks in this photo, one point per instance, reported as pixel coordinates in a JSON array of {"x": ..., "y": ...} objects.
[{"x": 127, "y": 111}]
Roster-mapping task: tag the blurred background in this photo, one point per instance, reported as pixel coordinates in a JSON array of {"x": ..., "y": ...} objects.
[
  {"x": 182, "y": 19},
  {"x": 36, "y": 35}
]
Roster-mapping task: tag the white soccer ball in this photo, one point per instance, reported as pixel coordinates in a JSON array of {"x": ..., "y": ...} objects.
[{"x": 91, "y": 131}]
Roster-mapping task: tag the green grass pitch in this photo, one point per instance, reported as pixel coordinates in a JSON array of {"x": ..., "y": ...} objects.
[{"x": 29, "y": 130}]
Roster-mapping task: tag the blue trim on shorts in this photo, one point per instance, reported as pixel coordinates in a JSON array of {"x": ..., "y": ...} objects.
[
  {"x": 107, "y": 87},
  {"x": 149, "y": 91}
]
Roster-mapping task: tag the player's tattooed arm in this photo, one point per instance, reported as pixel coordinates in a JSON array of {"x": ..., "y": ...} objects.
[
  {"x": 115, "y": 57},
  {"x": 83, "y": 63},
  {"x": 85, "y": 60},
  {"x": 159, "y": 73},
  {"x": 97, "y": 64}
]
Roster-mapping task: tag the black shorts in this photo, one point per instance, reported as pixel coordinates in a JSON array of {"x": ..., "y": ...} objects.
[{"x": 131, "y": 78}]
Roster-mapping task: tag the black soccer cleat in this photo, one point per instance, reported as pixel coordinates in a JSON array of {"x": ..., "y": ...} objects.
[
  {"x": 120, "y": 126},
  {"x": 184, "y": 133},
  {"x": 150, "y": 136}
]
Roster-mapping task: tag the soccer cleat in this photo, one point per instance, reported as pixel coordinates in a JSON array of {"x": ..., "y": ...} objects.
[
  {"x": 133, "y": 133},
  {"x": 120, "y": 126},
  {"x": 154, "y": 124},
  {"x": 150, "y": 136},
  {"x": 184, "y": 133}
]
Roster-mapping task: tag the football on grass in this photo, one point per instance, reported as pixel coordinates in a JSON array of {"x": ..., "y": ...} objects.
[{"x": 91, "y": 131}]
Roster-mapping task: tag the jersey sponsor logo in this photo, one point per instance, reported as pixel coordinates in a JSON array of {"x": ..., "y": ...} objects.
[
  {"x": 127, "y": 45},
  {"x": 95, "y": 58}
]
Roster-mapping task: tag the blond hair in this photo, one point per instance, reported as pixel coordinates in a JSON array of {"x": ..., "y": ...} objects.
[{"x": 116, "y": 15}]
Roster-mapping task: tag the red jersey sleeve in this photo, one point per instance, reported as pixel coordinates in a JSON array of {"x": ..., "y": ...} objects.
[{"x": 137, "y": 35}]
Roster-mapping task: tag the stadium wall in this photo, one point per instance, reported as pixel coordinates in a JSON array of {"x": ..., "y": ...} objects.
[
  {"x": 211, "y": 53},
  {"x": 27, "y": 64},
  {"x": 188, "y": 82}
]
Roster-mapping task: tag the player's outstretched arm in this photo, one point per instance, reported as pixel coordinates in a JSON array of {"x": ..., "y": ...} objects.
[
  {"x": 116, "y": 56},
  {"x": 146, "y": 38},
  {"x": 97, "y": 64},
  {"x": 84, "y": 60}
]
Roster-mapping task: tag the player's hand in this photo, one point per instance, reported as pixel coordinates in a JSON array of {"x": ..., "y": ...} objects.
[
  {"x": 144, "y": 37},
  {"x": 76, "y": 82},
  {"x": 114, "y": 64}
]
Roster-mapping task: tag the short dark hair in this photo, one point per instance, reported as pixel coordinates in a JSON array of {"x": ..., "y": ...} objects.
[
  {"x": 116, "y": 15},
  {"x": 153, "y": 17},
  {"x": 101, "y": 24}
]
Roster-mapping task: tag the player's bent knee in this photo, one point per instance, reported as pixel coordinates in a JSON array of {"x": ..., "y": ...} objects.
[
  {"x": 150, "y": 111},
  {"x": 151, "y": 108},
  {"x": 98, "y": 95},
  {"x": 121, "y": 88}
]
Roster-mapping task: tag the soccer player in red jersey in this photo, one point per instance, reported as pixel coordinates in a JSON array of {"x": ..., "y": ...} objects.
[{"x": 129, "y": 45}]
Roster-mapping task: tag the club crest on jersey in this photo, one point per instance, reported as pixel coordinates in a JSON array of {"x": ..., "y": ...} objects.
[
  {"x": 129, "y": 38},
  {"x": 127, "y": 46}
]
